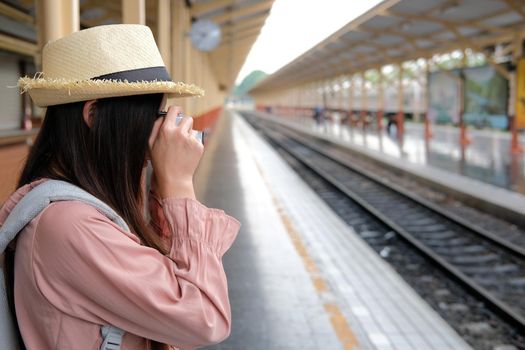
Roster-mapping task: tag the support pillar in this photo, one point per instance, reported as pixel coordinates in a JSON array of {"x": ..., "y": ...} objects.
[
  {"x": 134, "y": 11},
  {"x": 196, "y": 71},
  {"x": 177, "y": 39},
  {"x": 400, "y": 118},
  {"x": 71, "y": 15},
  {"x": 164, "y": 31},
  {"x": 464, "y": 140},
  {"x": 340, "y": 101},
  {"x": 381, "y": 101},
  {"x": 313, "y": 95},
  {"x": 428, "y": 132},
  {"x": 515, "y": 145},
  {"x": 324, "y": 98},
  {"x": 351, "y": 101},
  {"x": 362, "y": 113},
  {"x": 180, "y": 46},
  {"x": 319, "y": 94},
  {"x": 298, "y": 101},
  {"x": 55, "y": 19}
]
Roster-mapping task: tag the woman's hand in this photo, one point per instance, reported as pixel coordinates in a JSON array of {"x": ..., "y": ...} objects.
[{"x": 175, "y": 155}]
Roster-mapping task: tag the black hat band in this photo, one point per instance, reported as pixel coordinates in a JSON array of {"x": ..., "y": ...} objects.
[{"x": 138, "y": 75}]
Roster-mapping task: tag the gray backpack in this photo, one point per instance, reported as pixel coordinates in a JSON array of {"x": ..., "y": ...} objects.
[{"x": 25, "y": 211}]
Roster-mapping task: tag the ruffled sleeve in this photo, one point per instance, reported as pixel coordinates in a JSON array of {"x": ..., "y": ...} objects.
[
  {"x": 187, "y": 219},
  {"x": 191, "y": 222},
  {"x": 88, "y": 267}
]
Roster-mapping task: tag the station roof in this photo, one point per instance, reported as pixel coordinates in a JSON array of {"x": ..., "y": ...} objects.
[
  {"x": 396, "y": 31},
  {"x": 240, "y": 21}
]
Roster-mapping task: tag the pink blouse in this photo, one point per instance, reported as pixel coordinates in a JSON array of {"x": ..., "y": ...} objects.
[{"x": 76, "y": 270}]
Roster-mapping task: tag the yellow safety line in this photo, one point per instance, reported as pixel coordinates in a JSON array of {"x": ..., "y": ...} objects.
[{"x": 339, "y": 323}]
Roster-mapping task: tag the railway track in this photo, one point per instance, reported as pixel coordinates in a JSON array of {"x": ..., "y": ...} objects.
[{"x": 490, "y": 268}]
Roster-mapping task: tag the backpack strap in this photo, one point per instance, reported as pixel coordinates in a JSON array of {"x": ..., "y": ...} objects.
[
  {"x": 112, "y": 338},
  {"x": 26, "y": 210},
  {"x": 40, "y": 197}
]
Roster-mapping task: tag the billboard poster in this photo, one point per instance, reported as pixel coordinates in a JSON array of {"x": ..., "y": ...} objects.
[
  {"x": 520, "y": 94},
  {"x": 444, "y": 97},
  {"x": 486, "y": 98}
]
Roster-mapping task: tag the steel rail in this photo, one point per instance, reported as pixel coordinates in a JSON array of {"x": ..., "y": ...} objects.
[{"x": 513, "y": 249}]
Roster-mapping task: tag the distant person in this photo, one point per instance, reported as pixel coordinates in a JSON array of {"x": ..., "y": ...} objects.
[
  {"x": 318, "y": 115},
  {"x": 93, "y": 272},
  {"x": 392, "y": 122}
]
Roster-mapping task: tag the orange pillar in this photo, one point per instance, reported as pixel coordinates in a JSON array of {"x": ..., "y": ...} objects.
[
  {"x": 380, "y": 102},
  {"x": 514, "y": 82},
  {"x": 428, "y": 131},
  {"x": 362, "y": 113},
  {"x": 400, "y": 118},
  {"x": 351, "y": 101},
  {"x": 340, "y": 100},
  {"x": 515, "y": 146},
  {"x": 463, "y": 137}
]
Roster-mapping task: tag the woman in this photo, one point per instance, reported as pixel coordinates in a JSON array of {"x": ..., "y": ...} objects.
[{"x": 75, "y": 270}]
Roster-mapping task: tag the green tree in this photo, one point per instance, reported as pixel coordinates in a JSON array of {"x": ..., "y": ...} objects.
[{"x": 248, "y": 82}]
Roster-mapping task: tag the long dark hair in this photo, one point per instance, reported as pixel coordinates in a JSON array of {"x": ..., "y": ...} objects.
[{"x": 105, "y": 159}]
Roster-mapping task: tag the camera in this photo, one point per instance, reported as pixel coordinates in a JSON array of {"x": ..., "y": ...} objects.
[{"x": 198, "y": 135}]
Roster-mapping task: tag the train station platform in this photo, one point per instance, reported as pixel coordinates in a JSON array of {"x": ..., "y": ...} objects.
[
  {"x": 483, "y": 174},
  {"x": 299, "y": 277}
]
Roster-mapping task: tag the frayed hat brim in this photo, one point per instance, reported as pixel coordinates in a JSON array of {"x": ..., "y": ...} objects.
[{"x": 47, "y": 91}]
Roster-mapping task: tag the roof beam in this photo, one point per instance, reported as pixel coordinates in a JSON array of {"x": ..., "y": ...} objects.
[
  {"x": 319, "y": 58},
  {"x": 514, "y": 5},
  {"x": 369, "y": 42},
  {"x": 258, "y": 20},
  {"x": 411, "y": 40},
  {"x": 243, "y": 11},
  {"x": 200, "y": 9},
  {"x": 293, "y": 79},
  {"x": 471, "y": 44},
  {"x": 237, "y": 41},
  {"x": 236, "y": 35},
  {"x": 12, "y": 44},
  {"x": 471, "y": 23},
  {"x": 485, "y": 27},
  {"x": 16, "y": 14},
  {"x": 442, "y": 6},
  {"x": 250, "y": 35},
  {"x": 241, "y": 30}
]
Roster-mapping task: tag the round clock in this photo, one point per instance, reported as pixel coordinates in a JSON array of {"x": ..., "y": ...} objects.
[{"x": 205, "y": 35}]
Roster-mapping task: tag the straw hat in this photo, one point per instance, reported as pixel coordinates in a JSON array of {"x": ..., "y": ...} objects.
[{"x": 104, "y": 61}]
